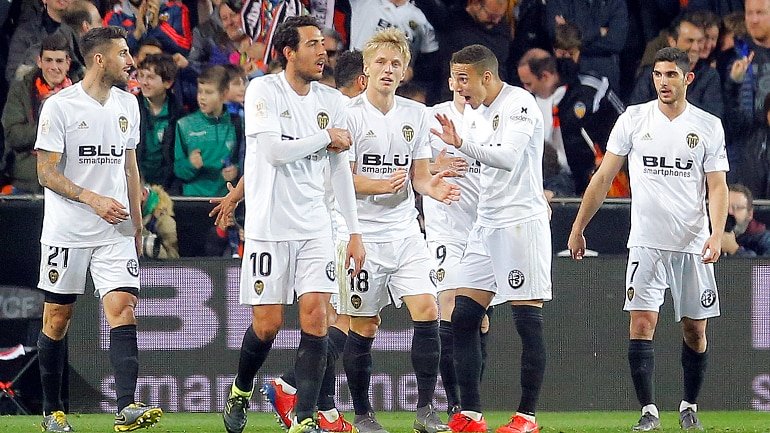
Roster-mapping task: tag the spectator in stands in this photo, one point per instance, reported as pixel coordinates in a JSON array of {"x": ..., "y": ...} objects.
[
  {"x": 733, "y": 29},
  {"x": 747, "y": 138},
  {"x": 705, "y": 92},
  {"x": 710, "y": 23},
  {"x": 529, "y": 30},
  {"x": 753, "y": 82},
  {"x": 159, "y": 238},
  {"x": 25, "y": 42},
  {"x": 159, "y": 110},
  {"x": 604, "y": 26},
  {"x": 567, "y": 42},
  {"x": 167, "y": 21},
  {"x": 349, "y": 74},
  {"x": 334, "y": 46},
  {"x": 751, "y": 235},
  {"x": 208, "y": 141},
  {"x": 236, "y": 89},
  {"x": 571, "y": 103},
  {"x": 145, "y": 48},
  {"x": 79, "y": 18},
  {"x": 20, "y": 115}
]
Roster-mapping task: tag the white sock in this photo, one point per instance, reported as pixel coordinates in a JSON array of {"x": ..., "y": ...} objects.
[
  {"x": 530, "y": 418},
  {"x": 288, "y": 389},
  {"x": 687, "y": 405},
  {"x": 652, "y": 409},
  {"x": 476, "y": 416},
  {"x": 331, "y": 415}
]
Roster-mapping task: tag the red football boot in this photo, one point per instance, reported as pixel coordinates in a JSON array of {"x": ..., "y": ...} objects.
[
  {"x": 283, "y": 403},
  {"x": 463, "y": 423},
  {"x": 341, "y": 425},
  {"x": 519, "y": 424}
]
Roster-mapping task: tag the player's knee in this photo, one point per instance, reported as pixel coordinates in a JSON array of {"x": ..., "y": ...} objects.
[
  {"x": 642, "y": 325},
  {"x": 365, "y": 326},
  {"x": 57, "y": 323},
  {"x": 266, "y": 330},
  {"x": 695, "y": 337},
  {"x": 422, "y": 308}
]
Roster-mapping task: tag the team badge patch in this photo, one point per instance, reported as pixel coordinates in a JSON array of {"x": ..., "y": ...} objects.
[
  {"x": 45, "y": 125},
  {"x": 515, "y": 278},
  {"x": 408, "y": 133},
  {"x": 630, "y": 294},
  {"x": 53, "y": 276},
  {"x": 579, "y": 109},
  {"x": 355, "y": 301},
  {"x": 708, "y": 298},
  {"x": 323, "y": 120},
  {"x": 692, "y": 140},
  {"x": 123, "y": 123},
  {"x": 331, "y": 271},
  {"x": 440, "y": 274},
  {"x": 495, "y": 122},
  {"x": 132, "y": 266},
  {"x": 260, "y": 109},
  {"x": 259, "y": 287}
]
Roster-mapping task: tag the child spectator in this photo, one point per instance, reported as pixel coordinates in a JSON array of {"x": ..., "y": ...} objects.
[{"x": 208, "y": 140}]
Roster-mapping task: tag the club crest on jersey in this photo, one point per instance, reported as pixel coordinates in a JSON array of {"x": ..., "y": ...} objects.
[
  {"x": 630, "y": 294},
  {"x": 132, "y": 266},
  {"x": 53, "y": 276},
  {"x": 355, "y": 301},
  {"x": 123, "y": 123},
  {"x": 259, "y": 287},
  {"x": 495, "y": 122},
  {"x": 708, "y": 298},
  {"x": 692, "y": 140},
  {"x": 579, "y": 109},
  {"x": 331, "y": 271},
  {"x": 408, "y": 133},
  {"x": 515, "y": 278},
  {"x": 323, "y": 119}
]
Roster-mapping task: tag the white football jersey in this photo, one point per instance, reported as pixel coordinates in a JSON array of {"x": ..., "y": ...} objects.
[
  {"x": 383, "y": 143},
  {"x": 454, "y": 222},
  {"x": 93, "y": 139},
  {"x": 370, "y": 16},
  {"x": 667, "y": 162},
  {"x": 510, "y": 197},
  {"x": 286, "y": 202}
]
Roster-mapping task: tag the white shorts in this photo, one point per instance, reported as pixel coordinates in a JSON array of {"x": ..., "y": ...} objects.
[
  {"x": 113, "y": 266},
  {"x": 513, "y": 262},
  {"x": 651, "y": 271},
  {"x": 272, "y": 272},
  {"x": 343, "y": 275},
  {"x": 392, "y": 270},
  {"x": 446, "y": 259}
]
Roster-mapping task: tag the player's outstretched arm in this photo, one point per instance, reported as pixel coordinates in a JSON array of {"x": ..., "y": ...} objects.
[
  {"x": 225, "y": 206},
  {"x": 592, "y": 200},
  {"x": 134, "y": 197},
  {"x": 456, "y": 165},
  {"x": 434, "y": 186},
  {"x": 718, "y": 194},
  {"x": 51, "y": 177}
]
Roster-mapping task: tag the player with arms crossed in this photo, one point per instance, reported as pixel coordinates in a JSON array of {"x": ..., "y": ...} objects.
[
  {"x": 676, "y": 152},
  {"x": 293, "y": 126},
  {"x": 391, "y": 154},
  {"x": 508, "y": 253},
  {"x": 86, "y": 143}
]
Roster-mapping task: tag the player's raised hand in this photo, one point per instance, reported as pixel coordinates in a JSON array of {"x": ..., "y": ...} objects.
[
  {"x": 107, "y": 208},
  {"x": 457, "y": 166},
  {"x": 441, "y": 190},
  {"x": 712, "y": 250},
  {"x": 224, "y": 207},
  {"x": 448, "y": 133},
  {"x": 576, "y": 245},
  {"x": 341, "y": 140},
  {"x": 397, "y": 180},
  {"x": 356, "y": 252}
]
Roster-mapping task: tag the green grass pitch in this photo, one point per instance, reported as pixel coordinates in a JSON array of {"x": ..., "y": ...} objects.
[{"x": 401, "y": 422}]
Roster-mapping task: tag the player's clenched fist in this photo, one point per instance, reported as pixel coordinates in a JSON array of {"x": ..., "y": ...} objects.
[{"x": 340, "y": 140}]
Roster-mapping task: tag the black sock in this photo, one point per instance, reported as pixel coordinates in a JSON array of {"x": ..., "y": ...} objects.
[
  {"x": 483, "y": 336},
  {"x": 124, "y": 357},
  {"x": 336, "y": 346},
  {"x": 309, "y": 370},
  {"x": 641, "y": 359},
  {"x": 426, "y": 348},
  {"x": 694, "y": 368},
  {"x": 447, "y": 364},
  {"x": 357, "y": 359},
  {"x": 529, "y": 325},
  {"x": 466, "y": 320},
  {"x": 51, "y": 360},
  {"x": 253, "y": 354}
]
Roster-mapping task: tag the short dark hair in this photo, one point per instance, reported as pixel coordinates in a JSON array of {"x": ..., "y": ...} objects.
[
  {"x": 705, "y": 19},
  {"x": 685, "y": 17},
  {"x": 350, "y": 65},
  {"x": 163, "y": 65},
  {"x": 675, "y": 55},
  {"x": 233, "y": 72},
  {"x": 287, "y": 34},
  {"x": 413, "y": 91},
  {"x": 76, "y": 14},
  {"x": 96, "y": 38},
  {"x": 217, "y": 76},
  {"x": 568, "y": 36},
  {"x": 480, "y": 57},
  {"x": 149, "y": 42},
  {"x": 56, "y": 41},
  {"x": 737, "y": 187},
  {"x": 539, "y": 62}
]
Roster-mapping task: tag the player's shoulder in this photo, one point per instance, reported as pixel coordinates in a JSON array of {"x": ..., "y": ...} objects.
[
  {"x": 356, "y": 103},
  {"x": 124, "y": 98},
  {"x": 66, "y": 95},
  {"x": 410, "y": 105},
  {"x": 514, "y": 96},
  {"x": 702, "y": 116},
  {"x": 323, "y": 91},
  {"x": 638, "y": 111},
  {"x": 265, "y": 83},
  {"x": 441, "y": 107}
]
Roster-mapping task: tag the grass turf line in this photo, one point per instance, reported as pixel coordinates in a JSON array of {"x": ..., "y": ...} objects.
[{"x": 401, "y": 422}]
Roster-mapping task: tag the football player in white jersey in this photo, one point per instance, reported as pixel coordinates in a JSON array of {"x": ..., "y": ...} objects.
[
  {"x": 675, "y": 152},
  {"x": 294, "y": 128},
  {"x": 508, "y": 253},
  {"x": 390, "y": 155},
  {"x": 86, "y": 143}
]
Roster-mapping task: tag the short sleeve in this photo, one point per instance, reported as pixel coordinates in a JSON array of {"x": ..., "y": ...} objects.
[
  {"x": 260, "y": 110},
  {"x": 133, "y": 135},
  {"x": 715, "y": 158},
  {"x": 422, "y": 149},
  {"x": 619, "y": 142},
  {"x": 51, "y": 128},
  {"x": 519, "y": 116}
]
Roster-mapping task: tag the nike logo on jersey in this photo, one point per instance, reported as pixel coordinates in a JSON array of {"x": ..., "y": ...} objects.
[{"x": 286, "y": 114}]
